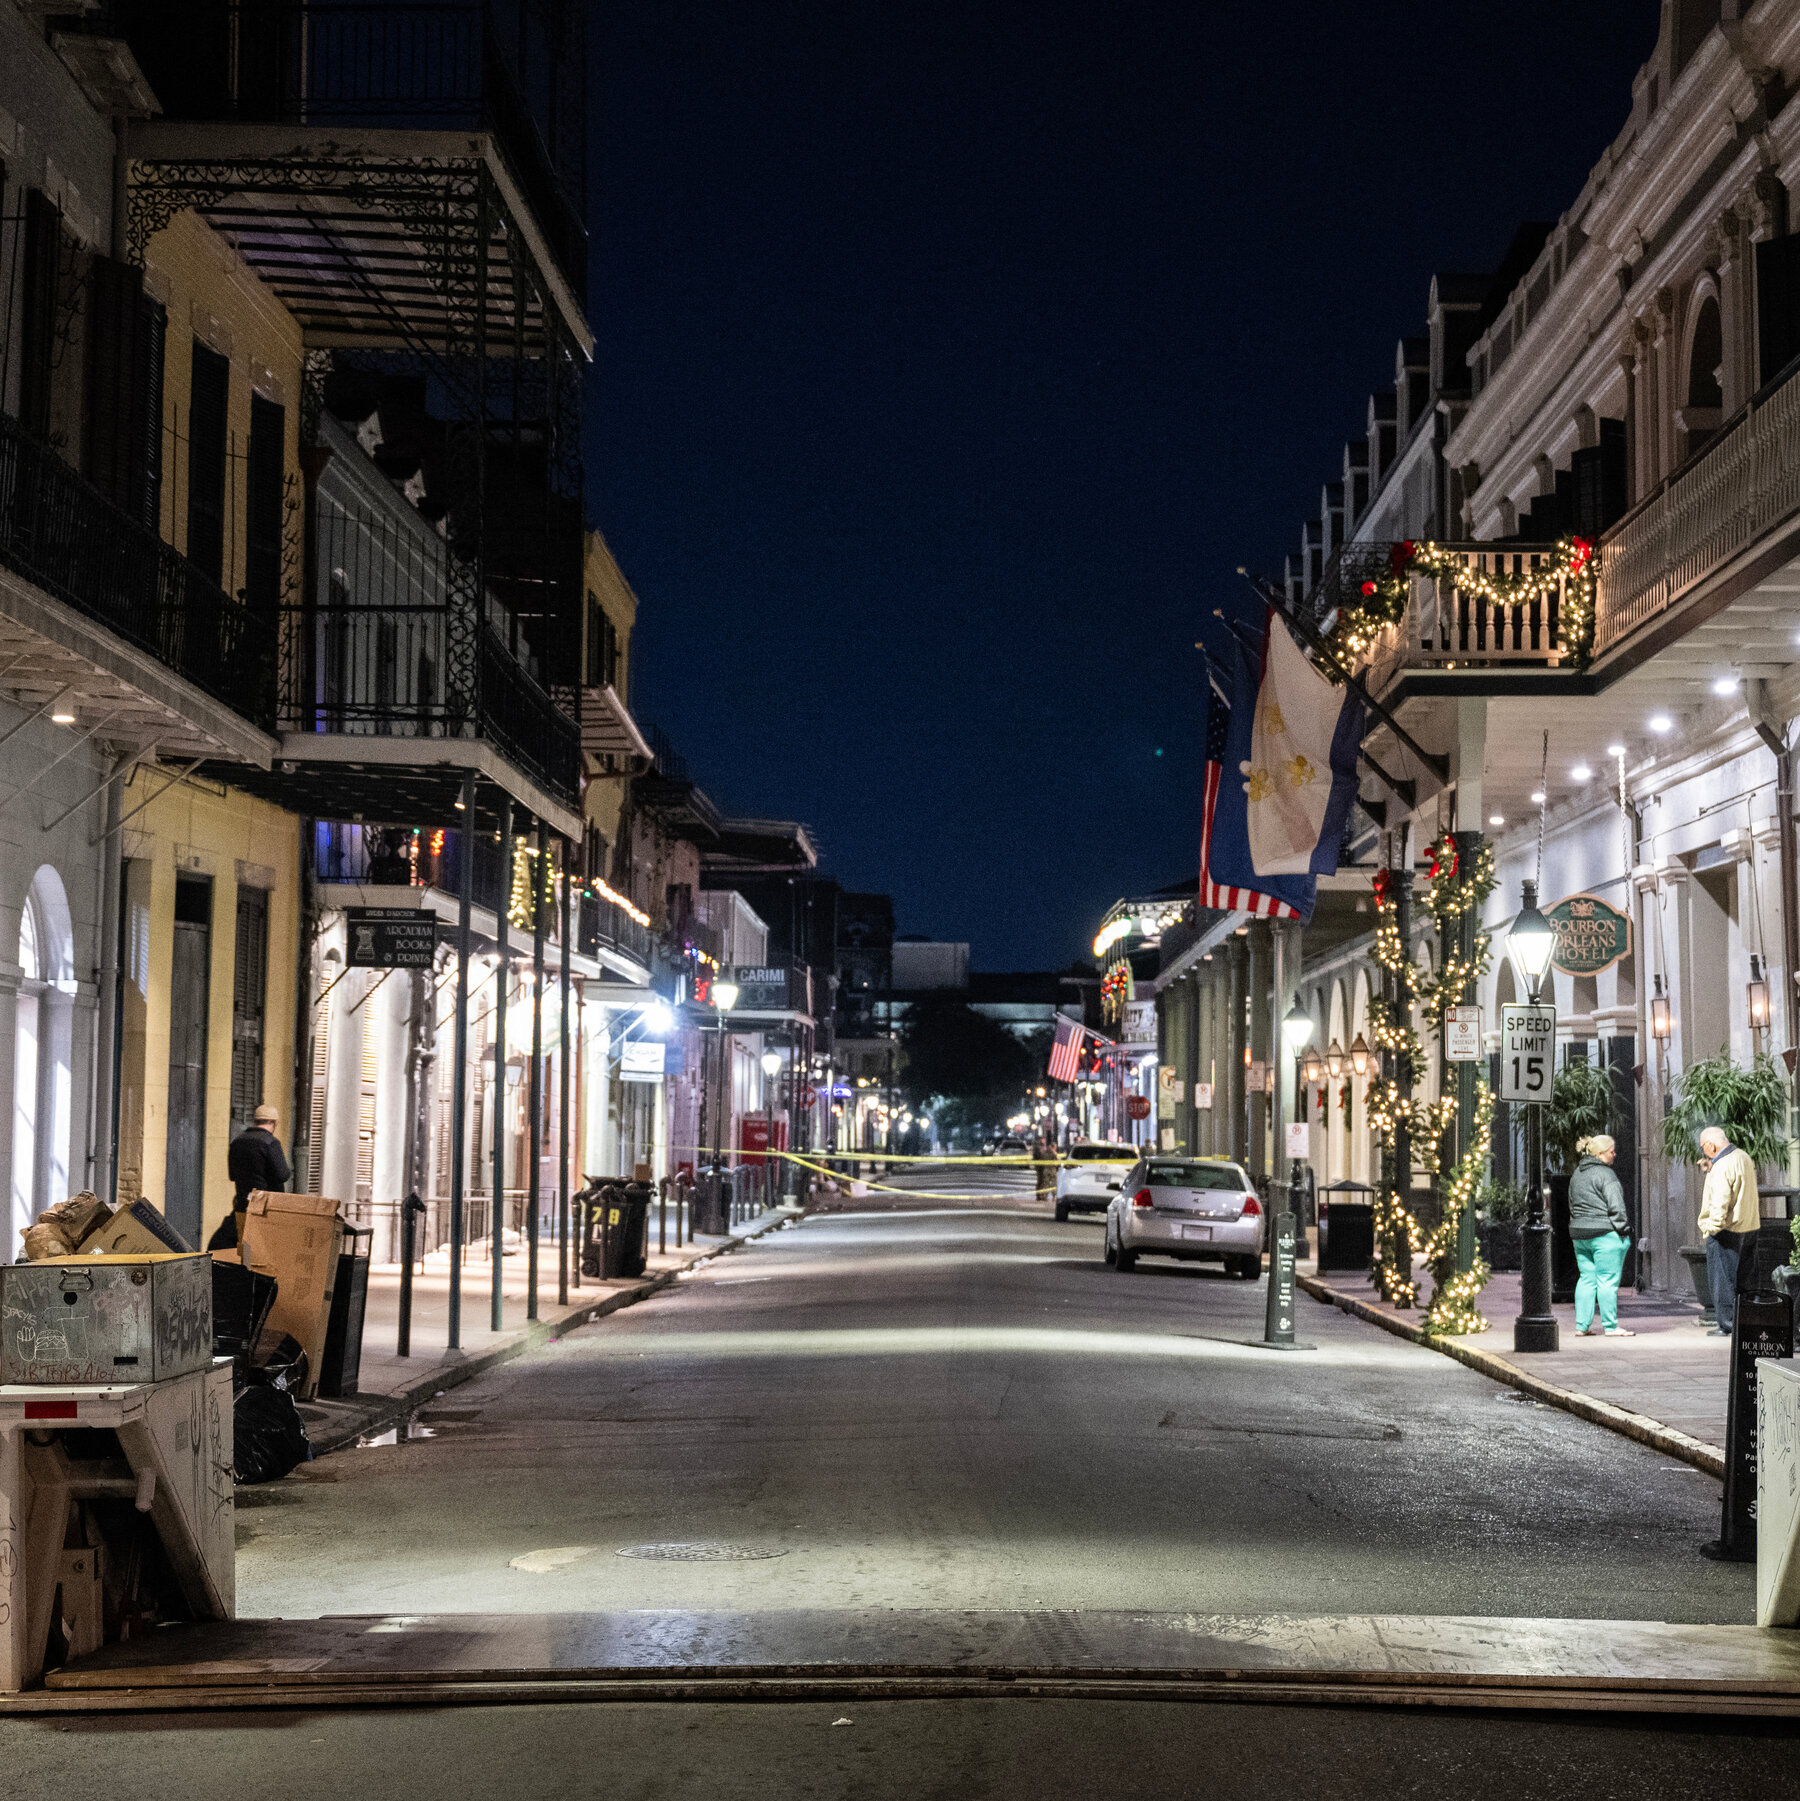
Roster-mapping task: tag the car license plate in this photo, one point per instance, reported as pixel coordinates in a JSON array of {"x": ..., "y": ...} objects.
[{"x": 1196, "y": 1231}]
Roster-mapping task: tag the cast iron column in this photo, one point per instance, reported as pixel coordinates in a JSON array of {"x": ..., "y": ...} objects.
[
  {"x": 501, "y": 976},
  {"x": 1404, "y": 1073},
  {"x": 1468, "y": 854},
  {"x": 459, "y": 1089},
  {"x": 533, "y": 1179},
  {"x": 564, "y": 1049}
]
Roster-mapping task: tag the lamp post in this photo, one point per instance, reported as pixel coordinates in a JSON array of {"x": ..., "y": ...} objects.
[
  {"x": 1529, "y": 946},
  {"x": 724, "y": 997},
  {"x": 1284, "y": 1227}
]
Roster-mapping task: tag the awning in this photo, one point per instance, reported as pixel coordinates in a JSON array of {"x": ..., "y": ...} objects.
[{"x": 608, "y": 729}]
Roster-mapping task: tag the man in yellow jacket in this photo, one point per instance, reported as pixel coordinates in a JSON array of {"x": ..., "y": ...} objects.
[{"x": 1729, "y": 1213}]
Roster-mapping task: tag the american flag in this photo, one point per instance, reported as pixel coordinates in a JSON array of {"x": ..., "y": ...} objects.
[
  {"x": 1065, "y": 1053},
  {"x": 1226, "y": 900}
]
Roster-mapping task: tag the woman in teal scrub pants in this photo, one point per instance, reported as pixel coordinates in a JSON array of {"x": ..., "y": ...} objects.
[{"x": 1599, "y": 1225}]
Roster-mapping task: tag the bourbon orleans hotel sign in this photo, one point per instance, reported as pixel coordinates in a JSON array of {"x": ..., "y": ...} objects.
[{"x": 1591, "y": 934}]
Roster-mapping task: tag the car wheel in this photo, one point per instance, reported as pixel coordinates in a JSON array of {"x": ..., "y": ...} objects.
[
  {"x": 1109, "y": 1255},
  {"x": 1249, "y": 1268},
  {"x": 1062, "y": 1209},
  {"x": 1126, "y": 1261}
]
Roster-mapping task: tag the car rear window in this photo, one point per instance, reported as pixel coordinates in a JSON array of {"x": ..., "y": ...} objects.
[
  {"x": 1194, "y": 1175},
  {"x": 1102, "y": 1153}
]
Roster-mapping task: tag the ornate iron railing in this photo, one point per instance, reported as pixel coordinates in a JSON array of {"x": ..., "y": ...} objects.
[
  {"x": 64, "y": 536},
  {"x": 1743, "y": 484},
  {"x": 604, "y": 922}
]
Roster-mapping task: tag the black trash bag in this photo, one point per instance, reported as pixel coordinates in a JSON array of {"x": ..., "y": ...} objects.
[
  {"x": 285, "y": 1367},
  {"x": 268, "y": 1438},
  {"x": 241, "y": 1302}
]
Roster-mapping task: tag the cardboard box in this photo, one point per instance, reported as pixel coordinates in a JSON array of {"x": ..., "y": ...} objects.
[
  {"x": 134, "y": 1231},
  {"x": 296, "y": 1238},
  {"x": 82, "y": 1318}
]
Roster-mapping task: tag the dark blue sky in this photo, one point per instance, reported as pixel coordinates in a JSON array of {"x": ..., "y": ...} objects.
[{"x": 952, "y": 357}]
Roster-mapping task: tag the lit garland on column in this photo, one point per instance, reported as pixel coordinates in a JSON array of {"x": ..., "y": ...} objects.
[
  {"x": 1451, "y": 892},
  {"x": 1567, "y": 569}
]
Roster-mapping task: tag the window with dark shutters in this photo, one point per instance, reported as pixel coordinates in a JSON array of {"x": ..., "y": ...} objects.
[
  {"x": 1598, "y": 473},
  {"x": 1777, "y": 306},
  {"x": 207, "y": 401},
  {"x": 249, "y": 1005},
  {"x": 262, "y": 506},
  {"x": 122, "y": 441},
  {"x": 39, "y": 281}
]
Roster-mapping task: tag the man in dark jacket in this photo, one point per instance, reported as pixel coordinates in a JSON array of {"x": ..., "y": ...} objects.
[{"x": 255, "y": 1160}]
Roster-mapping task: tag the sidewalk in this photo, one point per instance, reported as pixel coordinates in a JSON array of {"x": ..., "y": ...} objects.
[
  {"x": 1666, "y": 1387},
  {"x": 391, "y": 1387}
]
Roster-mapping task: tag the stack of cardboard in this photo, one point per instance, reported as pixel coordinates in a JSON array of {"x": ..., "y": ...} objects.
[{"x": 296, "y": 1238}]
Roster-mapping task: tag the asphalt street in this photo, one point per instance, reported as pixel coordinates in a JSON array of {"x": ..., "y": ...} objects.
[
  {"x": 953, "y": 1403},
  {"x": 869, "y": 1750}
]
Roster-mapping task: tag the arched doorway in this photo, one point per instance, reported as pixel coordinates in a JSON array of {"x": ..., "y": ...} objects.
[
  {"x": 1705, "y": 403},
  {"x": 42, "y": 1065}
]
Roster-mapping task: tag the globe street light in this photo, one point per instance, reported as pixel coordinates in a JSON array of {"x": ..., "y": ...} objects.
[
  {"x": 1297, "y": 1028},
  {"x": 1530, "y": 943}
]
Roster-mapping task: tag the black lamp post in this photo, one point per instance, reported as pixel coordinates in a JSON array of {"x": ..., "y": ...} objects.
[{"x": 1529, "y": 945}]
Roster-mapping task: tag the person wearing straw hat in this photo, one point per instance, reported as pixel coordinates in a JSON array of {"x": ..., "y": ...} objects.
[{"x": 1600, "y": 1229}]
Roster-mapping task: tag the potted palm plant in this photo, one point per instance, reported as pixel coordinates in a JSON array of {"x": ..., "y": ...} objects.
[{"x": 1752, "y": 1107}]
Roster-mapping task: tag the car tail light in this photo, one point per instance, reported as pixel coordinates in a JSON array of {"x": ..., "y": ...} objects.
[
  {"x": 1142, "y": 1198},
  {"x": 1252, "y": 1208}
]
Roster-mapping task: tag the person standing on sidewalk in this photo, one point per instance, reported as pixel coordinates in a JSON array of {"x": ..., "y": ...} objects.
[
  {"x": 1601, "y": 1230},
  {"x": 1729, "y": 1213},
  {"x": 255, "y": 1160}
]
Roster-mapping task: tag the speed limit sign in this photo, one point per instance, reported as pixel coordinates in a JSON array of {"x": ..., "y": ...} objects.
[{"x": 1527, "y": 1053}]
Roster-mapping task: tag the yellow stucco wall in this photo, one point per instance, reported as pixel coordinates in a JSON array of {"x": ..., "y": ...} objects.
[
  {"x": 201, "y": 828},
  {"x": 210, "y": 294},
  {"x": 606, "y": 582}
]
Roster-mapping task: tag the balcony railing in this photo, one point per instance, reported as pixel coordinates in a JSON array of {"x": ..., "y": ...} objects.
[
  {"x": 514, "y": 67},
  {"x": 64, "y": 536},
  {"x": 1743, "y": 484},
  {"x": 603, "y": 922},
  {"x": 1446, "y": 625}
]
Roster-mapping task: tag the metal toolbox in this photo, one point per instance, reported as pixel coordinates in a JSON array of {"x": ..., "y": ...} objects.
[{"x": 105, "y": 1319}]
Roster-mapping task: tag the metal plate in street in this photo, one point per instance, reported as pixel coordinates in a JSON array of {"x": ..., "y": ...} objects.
[
  {"x": 390, "y": 937},
  {"x": 1462, "y": 1034},
  {"x": 1527, "y": 1053}
]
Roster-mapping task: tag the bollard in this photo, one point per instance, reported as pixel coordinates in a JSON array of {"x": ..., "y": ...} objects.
[
  {"x": 410, "y": 1209},
  {"x": 662, "y": 1216},
  {"x": 1278, "y": 1319}
]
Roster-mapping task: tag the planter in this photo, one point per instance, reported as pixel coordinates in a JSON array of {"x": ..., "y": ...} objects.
[
  {"x": 1694, "y": 1256},
  {"x": 1501, "y": 1241}
]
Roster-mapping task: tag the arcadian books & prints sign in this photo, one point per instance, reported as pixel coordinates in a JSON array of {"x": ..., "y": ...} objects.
[{"x": 1591, "y": 934}]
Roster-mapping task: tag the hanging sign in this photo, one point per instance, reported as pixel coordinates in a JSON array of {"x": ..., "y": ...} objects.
[
  {"x": 390, "y": 937},
  {"x": 1140, "y": 1024},
  {"x": 1299, "y": 1139},
  {"x": 1591, "y": 934},
  {"x": 1462, "y": 1034},
  {"x": 1527, "y": 1053},
  {"x": 641, "y": 1060}
]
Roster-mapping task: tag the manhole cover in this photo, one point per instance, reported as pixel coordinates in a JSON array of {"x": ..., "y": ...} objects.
[{"x": 700, "y": 1552}]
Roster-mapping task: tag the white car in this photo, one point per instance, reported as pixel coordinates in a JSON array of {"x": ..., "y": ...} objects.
[
  {"x": 1195, "y": 1209},
  {"x": 1090, "y": 1176}
]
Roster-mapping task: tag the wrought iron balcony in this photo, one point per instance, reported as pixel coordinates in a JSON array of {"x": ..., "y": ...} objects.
[
  {"x": 604, "y": 923},
  {"x": 516, "y": 68},
  {"x": 61, "y": 534}
]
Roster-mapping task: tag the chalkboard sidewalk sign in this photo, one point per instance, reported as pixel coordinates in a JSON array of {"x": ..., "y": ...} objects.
[{"x": 1764, "y": 1327}]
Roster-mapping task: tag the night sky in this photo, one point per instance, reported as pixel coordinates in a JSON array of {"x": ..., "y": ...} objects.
[{"x": 952, "y": 358}]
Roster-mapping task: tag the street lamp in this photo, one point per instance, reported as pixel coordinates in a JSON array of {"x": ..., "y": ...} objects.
[
  {"x": 724, "y": 996},
  {"x": 1757, "y": 996},
  {"x": 1297, "y": 1028},
  {"x": 1334, "y": 1060},
  {"x": 771, "y": 1062},
  {"x": 1662, "y": 1028},
  {"x": 1313, "y": 1069},
  {"x": 1359, "y": 1055},
  {"x": 1529, "y": 944}
]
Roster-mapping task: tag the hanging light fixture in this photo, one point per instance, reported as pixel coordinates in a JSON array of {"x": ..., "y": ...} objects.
[
  {"x": 1530, "y": 943},
  {"x": 1757, "y": 996},
  {"x": 1335, "y": 1060},
  {"x": 1313, "y": 1069},
  {"x": 1359, "y": 1055},
  {"x": 1661, "y": 1028}
]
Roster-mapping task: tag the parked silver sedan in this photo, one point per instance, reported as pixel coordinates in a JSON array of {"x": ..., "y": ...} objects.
[{"x": 1197, "y": 1209}]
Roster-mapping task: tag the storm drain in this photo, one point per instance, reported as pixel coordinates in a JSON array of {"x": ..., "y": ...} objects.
[{"x": 698, "y": 1551}]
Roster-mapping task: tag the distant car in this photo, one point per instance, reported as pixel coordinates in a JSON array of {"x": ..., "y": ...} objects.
[
  {"x": 1011, "y": 1147},
  {"x": 1195, "y": 1209},
  {"x": 1090, "y": 1177}
]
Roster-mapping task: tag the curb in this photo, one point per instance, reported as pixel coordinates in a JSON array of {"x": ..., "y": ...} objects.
[
  {"x": 394, "y": 1408},
  {"x": 1637, "y": 1426}
]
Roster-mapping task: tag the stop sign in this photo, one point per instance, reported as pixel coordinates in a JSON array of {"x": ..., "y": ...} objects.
[{"x": 1138, "y": 1106}]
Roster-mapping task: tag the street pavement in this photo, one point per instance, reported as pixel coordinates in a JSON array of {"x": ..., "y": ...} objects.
[
  {"x": 922, "y": 1402},
  {"x": 979, "y": 1750}
]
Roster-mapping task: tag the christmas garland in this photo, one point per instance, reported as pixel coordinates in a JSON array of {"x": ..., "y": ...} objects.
[
  {"x": 1569, "y": 570},
  {"x": 1115, "y": 990},
  {"x": 1451, "y": 892}
]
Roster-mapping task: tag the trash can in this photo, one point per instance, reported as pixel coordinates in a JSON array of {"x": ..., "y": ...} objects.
[
  {"x": 623, "y": 1222},
  {"x": 340, "y": 1364},
  {"x": 1346, "y": 1226}
]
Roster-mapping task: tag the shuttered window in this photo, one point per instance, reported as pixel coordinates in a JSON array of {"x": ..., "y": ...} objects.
[
  {"x": 249, "y": 1005},
  {"x": 39, "y": 285},
  {"x": 262, "y": 506},
  {"x": 1777, "y": 306},
  {"x": 122, "y": 443},
  {"x": 207, "y": 418}
]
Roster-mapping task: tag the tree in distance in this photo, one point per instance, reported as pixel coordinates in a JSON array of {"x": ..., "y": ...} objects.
[{"x": 967, "y": 1069}]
